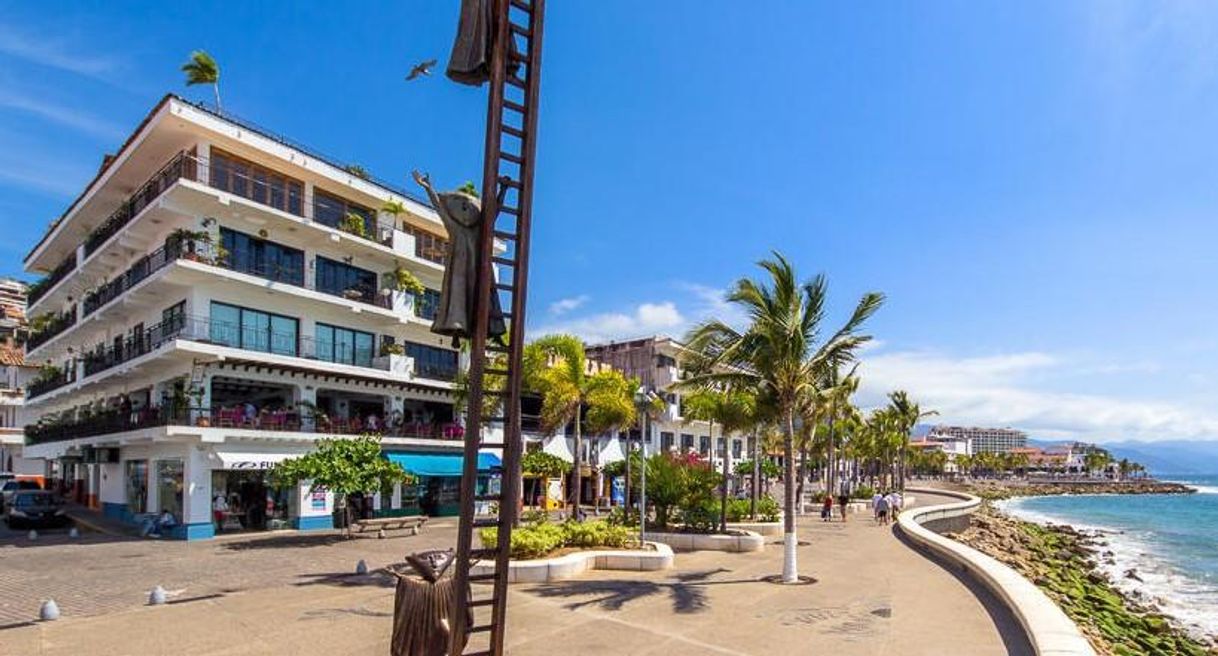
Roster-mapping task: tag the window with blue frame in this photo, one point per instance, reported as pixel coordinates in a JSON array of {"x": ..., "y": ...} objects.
[
  {"x": 254, "y": 330},
  {"x": 344, "y": 346}
]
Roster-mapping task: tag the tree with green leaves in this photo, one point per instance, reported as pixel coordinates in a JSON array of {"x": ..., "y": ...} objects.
[
  {"x": 344, "y": 467},
  {"x": 555, "y": 367},
  {"x": 779, "y": 354},
  {"x": 906, "y": 413},
  {"x": 202, "y": 69},
  {"x": 734, "y": 410}
]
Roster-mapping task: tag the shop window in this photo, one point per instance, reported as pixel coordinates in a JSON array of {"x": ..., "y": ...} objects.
[
  {"x": 666, "y": 440},
  {"x": 343, "y": 345},
  {"x": 243, "y": 328},
  {"x": 137, "y": 486},
  {"x": 169, "y": 481}
]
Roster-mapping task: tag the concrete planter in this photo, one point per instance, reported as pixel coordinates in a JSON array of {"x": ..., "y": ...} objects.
[
  {"x": 765, "y": 529},
  {"x": 746, "y": 541},
  {"x": 564, "y": 567}
]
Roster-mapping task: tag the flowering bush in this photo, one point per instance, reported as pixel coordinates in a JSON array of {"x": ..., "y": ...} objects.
[{"x": 543, "y": 538}]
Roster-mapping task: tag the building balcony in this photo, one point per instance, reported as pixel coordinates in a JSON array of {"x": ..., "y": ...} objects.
[
  {"x": 56, "y": 325},
  {"x": 40, "y": 289},
  {"x": 50, "y": 379},
  {"x": 282, "y": 423}
]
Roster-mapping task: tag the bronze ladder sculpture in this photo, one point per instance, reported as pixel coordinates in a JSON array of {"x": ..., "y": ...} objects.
[{"x": 507, "y": 195}]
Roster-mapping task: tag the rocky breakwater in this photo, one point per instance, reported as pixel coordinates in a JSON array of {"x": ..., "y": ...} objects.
[
  {"x": 1064, "y": 563},
  {"x": 1004, "y": 489}
]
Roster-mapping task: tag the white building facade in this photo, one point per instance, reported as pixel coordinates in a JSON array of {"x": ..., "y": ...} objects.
[{"x": 216, "y": 300}]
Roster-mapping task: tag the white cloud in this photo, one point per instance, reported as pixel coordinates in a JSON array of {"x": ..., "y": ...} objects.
[
  {"x": 54, "y": 53},
  {"x": 712, "y": 302},
  {"x": 1008, "y": 390},
  {"x": 645, "y": 319},
  {"x": 564, "y": 305},
  {"x": 66, "y": 116}
]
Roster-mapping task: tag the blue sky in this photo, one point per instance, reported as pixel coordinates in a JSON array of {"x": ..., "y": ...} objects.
[{"x": 1033, "y": 184}]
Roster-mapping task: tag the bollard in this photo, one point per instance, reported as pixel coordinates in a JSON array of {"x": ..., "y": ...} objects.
[
  {"x": 361, "y": 567},
  {"x": 32, "y": 535},
  {"x": 49, "y": 611},
  {"x": 73, "y": 532},
  {"x": 157, "y": 596},
  {"x": 380, "y": 534}
]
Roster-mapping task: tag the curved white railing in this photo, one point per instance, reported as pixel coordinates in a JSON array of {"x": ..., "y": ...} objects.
[{"x": 1049, "y": 629}]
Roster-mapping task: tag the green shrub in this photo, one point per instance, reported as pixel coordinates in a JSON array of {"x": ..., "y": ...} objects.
[
  {"x": 622, "y": 517},
  {"x": 767, "y": 509},
  {"x": 541, "y": 539},
  {"x": 863, "y": 492},
  {"x": 700, "y": 515},
  {"x": 738, "y": 509}
]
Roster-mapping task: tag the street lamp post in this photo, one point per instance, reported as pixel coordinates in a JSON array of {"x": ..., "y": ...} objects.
[{"x": 643, "y": 400}]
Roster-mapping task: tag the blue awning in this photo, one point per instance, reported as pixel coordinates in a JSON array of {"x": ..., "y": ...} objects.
[{"x": 439, "y": 464}]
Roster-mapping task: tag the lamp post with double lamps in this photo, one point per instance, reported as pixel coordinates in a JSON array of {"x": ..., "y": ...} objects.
[{"x": 644, "y": 400}]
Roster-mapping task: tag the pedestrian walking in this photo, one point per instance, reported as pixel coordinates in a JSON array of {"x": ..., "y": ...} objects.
[
  {"x": 881, "y": 510},
  {"x": 826, "y": 508},
  {"x": 875, "y": 505}
]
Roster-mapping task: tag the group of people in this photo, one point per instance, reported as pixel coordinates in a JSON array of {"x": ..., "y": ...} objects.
[{"x": 887, "y": 506}]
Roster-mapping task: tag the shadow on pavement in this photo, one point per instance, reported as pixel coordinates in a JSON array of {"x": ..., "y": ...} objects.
[
  {"x": 1013, "y": 636},
  {"x": 285, "y": 541},
  {"x": 686, "y": 591},
  {"x": 377, "y": 578}
]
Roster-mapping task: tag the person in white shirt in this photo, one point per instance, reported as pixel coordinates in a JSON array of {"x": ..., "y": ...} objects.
[
  {"x": 219, "y": 506},
  {"x": 875, "y": 505}
]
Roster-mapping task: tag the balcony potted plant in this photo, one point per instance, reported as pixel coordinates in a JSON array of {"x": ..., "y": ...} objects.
[
  {"x": 353, "y": 224},
  {"x": 403, "y": 288},
  {"x": 201, "y": 418},
  {"x": 392, "y": 358}
]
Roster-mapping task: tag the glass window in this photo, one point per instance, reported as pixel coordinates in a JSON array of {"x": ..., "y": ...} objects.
[
  {"x": 343, "y": 345},
  {"x": 137, "y": 486},
  {"x": 173, "y": 318},
  {"x": 426, "y": 304},
  {"x": 225, "y": 324},
  {"x": 666, "y": 440},
  {"x": 704, "y": 444},
  {"x": 239, "y": 177},
  {"x": 737, "y": 448},
  {"x": 427, "y": 245},
  {"x": 330, "y": 210},
  {"x": 339, "y": 279},
  {"x": 687, "y": 442},
  {"x": 262, "y": 258},
  {"x": 363, "y": 349},
  {"x": 432, "y": 362},
  {"x": 169, "y": 477},
  {"x": 240, "y": 327}
]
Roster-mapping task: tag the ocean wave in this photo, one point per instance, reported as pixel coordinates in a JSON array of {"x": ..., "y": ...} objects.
[{"x": 1193, "y": 603}]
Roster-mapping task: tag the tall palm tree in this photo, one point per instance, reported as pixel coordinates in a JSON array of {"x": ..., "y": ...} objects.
[
  {"x": 202, "y": 69},
  {"x": 779, "y": 354},
  {"x": 555, "y": 367},
  {"x": 907, "y": 413}
]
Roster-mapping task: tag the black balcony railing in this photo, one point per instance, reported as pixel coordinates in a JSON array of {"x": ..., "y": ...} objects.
[
  {"x": 57, "y": 324},
  {"x": 116, "y": 420},
  {"x": 174, "y": 248},
  {"x": 51, "y": 379},
  {"x": 181, "y": 166},
  {"x": 61, "y": 271}
]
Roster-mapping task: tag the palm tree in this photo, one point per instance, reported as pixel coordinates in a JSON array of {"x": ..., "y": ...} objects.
[
  {"x": 779, "y": 355},
  {"x": 734, "y": 410},
  {"x": 907, "y": 414},
  {"x": 202, "y": 69},
  {"x": 555, "y": 367}
]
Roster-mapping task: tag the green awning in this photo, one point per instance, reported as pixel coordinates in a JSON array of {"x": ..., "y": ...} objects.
[{"x": 439, "y": 464}]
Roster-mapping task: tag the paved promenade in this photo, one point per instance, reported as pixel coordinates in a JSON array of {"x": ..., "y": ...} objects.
[{"x": 873, "y": 595}]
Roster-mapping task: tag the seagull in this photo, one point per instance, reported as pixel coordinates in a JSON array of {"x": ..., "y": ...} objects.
[{"x": 422, "y": 68}]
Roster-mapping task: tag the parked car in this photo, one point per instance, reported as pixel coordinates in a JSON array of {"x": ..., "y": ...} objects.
[
  {"x": 13, "y": 486},
  {"x": 35, "y": 508}
]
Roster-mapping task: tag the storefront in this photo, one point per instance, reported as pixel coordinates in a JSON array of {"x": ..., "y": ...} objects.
[
  {"x": 436, "y": 492},
  {"x": 243, "y": 496}
]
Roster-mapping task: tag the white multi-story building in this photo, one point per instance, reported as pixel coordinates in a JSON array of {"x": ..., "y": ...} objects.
[
  {"x": 982, "y": 440},
  {"x": 12, "y": 310},
  {"x": 15, "y": 374},
  {"x": 218, "y": 299}
]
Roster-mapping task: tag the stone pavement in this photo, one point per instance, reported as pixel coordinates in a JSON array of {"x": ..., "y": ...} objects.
[{"x": 872, "y": 595}]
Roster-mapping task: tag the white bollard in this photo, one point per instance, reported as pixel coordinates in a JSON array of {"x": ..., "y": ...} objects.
[
  {"x": 49, "y": 611},
  {"x": 73, "y": 532},
  {"x": 361, "y": 567},
  {"x": 33, "y": 535},
  {"x": 380, "y": 534},
  {"x": 157, "y": 596}
]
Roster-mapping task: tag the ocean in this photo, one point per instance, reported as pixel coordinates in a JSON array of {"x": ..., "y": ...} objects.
[{"x": 1170, "y": 541}]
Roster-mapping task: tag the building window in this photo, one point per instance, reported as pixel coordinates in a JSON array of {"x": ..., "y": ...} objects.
[
  {"x": 687, "y": 442},
  {"x": 432, "y": 362},
  {"x": 253, "y": 330},
  {"x": 737, "y": 448},
  {"x": 704, "y": 444},
  {"x": 330, "y": 210},
  {"x": 666, "y": 440},
  {"x": 262, "y": 258},
  {"x": 137, "y": 486},
  {"x": 339, "y": 279},
  {"x": 426, "y": 304},
  {"x": 720, "y": 447},
  {"x": 248, "y": 180},
  {"x": 427, "y": 245},
  {"x": 173, "y": 318},
  {"x": 665, "y": 360},
  {"x": 169, "y": 479},
  {"x": 343, "y": 345}
]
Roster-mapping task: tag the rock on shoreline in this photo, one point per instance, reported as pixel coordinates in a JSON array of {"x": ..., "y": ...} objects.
[
  {"x": 1005, "y": 489},
  {"x": 1062, "y": 562}
]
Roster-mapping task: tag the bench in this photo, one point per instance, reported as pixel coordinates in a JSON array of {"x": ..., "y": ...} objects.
[{"x": 413, "y": 522}]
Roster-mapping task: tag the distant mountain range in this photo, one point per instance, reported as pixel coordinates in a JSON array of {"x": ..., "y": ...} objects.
[{"x": 1160, "y": 458}]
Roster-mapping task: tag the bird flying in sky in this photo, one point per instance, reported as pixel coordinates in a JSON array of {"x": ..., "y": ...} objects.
[{"x": 420, "y": 69}]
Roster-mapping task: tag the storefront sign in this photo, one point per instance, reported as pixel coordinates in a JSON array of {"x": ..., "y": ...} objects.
[
  {"x": 317, "y": 501},
  {"x": 249, "y": 461}
]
